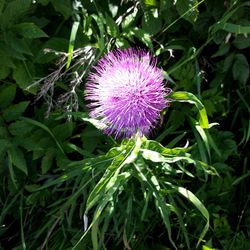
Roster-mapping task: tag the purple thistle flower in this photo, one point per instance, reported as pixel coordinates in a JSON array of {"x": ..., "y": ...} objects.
[{"x": 126, "y": 92}]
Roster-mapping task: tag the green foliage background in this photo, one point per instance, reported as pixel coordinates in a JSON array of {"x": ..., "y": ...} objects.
[{"x": 60, "y": 175}]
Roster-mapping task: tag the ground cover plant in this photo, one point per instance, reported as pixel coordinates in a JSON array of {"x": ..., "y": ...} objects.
[{"x": 173, "y": 174}]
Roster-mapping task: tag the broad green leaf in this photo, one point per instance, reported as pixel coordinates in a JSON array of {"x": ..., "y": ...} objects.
[
  {"x": 29, "y": 30},
  {"x": 151, "y": 22},
  {"x": 228, "y": 62},
  {"x": 19, "y": 45},
  {"x": 29, "y": 144},
  {"x": 122, "y": 43},
  {"x": 240, "y": 69},
  {"x": 14, "y": 111},
  {"x": 63, "y": 6},
  {"x": 129, "y": 19},
  {"x": 13, "y": 11},
  {"x": 2, "y": 2},
  {"x": 4, "y": 72},
  {"x": 198, "y": 204},
  {"x": 141, "y": 35},
  {"x": 63, "y": 131},
  {"x": 4, "y": 53},
  {"x": 190, "y": 98},
  {"x": 7, "y": 95},
  {"x": 241, "y": 42},
  {"x": 23, "y": 75},
  {"x": 45, "y": 128},
  {"x": 4, "y": 133},
  {"x": 17, "y": 158},
  {"x": 111, "y": 26},
  {"x": 3, "y": 146},
  {"x": 20, "y": 128},
  {"x": 188, "y": 9}
]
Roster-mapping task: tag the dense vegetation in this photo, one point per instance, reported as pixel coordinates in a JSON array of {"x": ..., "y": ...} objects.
[{"x": 66, "y": 185}]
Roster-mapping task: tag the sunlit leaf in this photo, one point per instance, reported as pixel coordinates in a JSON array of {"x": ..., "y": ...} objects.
[{"x": 190, "y": 98}]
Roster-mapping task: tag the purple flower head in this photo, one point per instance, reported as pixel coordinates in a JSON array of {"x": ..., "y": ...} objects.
[{"x": 126, "y": 92}]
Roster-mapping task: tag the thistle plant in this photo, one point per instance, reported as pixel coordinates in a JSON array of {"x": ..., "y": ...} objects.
[{"x": 125, "y": 93}]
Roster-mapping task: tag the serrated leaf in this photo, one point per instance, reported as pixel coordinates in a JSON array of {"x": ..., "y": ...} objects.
[
  {"x": 241, "y": 42},
  {"x": 7, "y": 95},
  {"x": 45, "y": 128},
  {"x": 4, "y": 72},
  {"x": 3, "y": 146},
  {"x": 20, "y": 128},
  {"x": 6, "y": 57},
  {"x": 13, "y": 11},
  {"x": 17, "y": 158},
  {"x": 21, "y": 46},
  {"x": 28, "y": 144},
  {"x": 3, "y": 132},
  {"x": 29, "y": 30},
  {"x": 188, "y": 9},
  {"x": 241, "y": 69},
  {"x": 63, "y": 6},
  {"x": 14, "y": 111},
  {"x": 63, "y": 131},
  {"x": 151, "y": 22},
  {"x": 23, "y": 75}
]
